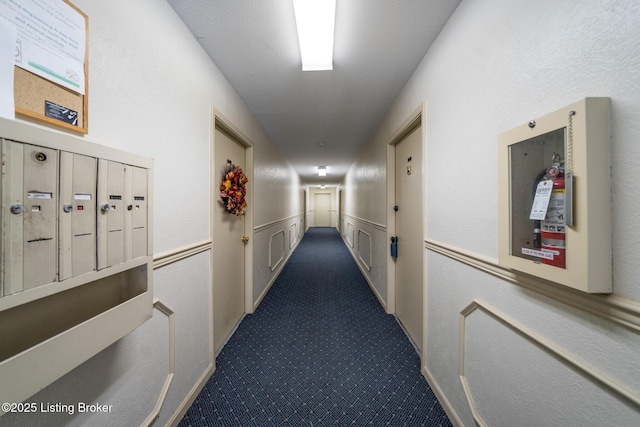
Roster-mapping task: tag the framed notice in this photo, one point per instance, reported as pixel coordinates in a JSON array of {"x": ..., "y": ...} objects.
[{"x": 51, "y": 61}]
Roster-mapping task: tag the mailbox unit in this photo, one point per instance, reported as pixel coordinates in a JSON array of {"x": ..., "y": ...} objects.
[{"x": 76, "y": 253}]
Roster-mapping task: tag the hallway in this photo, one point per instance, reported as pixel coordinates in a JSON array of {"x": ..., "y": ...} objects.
[
  {"x": 318, "y": 351},
  {"x": 500, "y": 346}
]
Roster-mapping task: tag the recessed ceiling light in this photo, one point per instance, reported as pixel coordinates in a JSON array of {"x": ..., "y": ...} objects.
[
  {"x": 322, "y": 171},
  {"x": 315, "y": 20}
]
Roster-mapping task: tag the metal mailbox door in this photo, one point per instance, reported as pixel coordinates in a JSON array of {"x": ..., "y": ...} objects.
[
  {"x": 111, "y": 180},
  {"x": 137, "y": 198},
  {"x": 29, "y": 221},
  {"x": 77, "y": 214}
]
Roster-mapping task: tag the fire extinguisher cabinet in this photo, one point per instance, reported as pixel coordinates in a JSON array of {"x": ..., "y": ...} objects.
[{"x": 554, "y": 197}]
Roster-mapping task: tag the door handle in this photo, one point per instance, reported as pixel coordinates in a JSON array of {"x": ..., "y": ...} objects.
[
  {"x": 244, "y": 239},
  {"x": 394, "y": 246}
]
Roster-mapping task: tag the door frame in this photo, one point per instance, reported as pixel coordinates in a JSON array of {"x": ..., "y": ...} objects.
[
  {"x": 416, "y": 118},
  {"x": 315, "y": 207},
  {"x": 339, "y": 219},
  {"x": 221, "y": 122}
]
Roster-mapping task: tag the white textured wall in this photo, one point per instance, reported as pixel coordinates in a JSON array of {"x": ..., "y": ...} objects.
[
  {"x": 498, "y": 64},
  {"x": 277, "y": 188},
  {"x": 364, "y": 208},
  {"x": 278, "y": 197},
  {"x": 151, "y": 89},
  {"x": 364, "y": 187},
  {"x": 277, "y": 241}
]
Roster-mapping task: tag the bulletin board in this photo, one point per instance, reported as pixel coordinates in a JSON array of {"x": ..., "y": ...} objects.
[{"x": 46, "y": 101}]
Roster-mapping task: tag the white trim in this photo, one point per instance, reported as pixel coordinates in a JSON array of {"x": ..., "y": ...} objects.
[
  {"x": 169, "y": 257},
  {"x": 380, "y": 227},
  {"x": 618, "y": 309},
  {"x": 273, "y": 279},
  {"x": 162, "y": 308},
  {"x": 369, "y": 282},
  {"x": 219, "y": 121},
  {"x": 350, "y": 236},
  {"x": 191, "y": 396},
  {"x": 413, "y": 120},
  {"x": 273, "y": 265},
  {"x": 261, "y": 227},
  {"x": 293, "y": 241},
  {"x": 442, "y": 397},
  {"x": 564, "y": 356},
  {"x": 365, "y": 264}
]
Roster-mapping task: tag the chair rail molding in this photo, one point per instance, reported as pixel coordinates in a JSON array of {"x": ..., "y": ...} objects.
[
  {"x": 621, "y": 310},
  {"x": 562, "y": 355}
]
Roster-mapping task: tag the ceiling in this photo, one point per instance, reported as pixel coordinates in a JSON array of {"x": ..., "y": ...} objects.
[{"x": 317, "y": 118}]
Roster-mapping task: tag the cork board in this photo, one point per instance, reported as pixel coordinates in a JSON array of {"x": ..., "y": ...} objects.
[{"x": 32, "y": 93}]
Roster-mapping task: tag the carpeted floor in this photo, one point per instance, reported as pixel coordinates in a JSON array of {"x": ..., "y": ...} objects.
[{"x": 318, "y": 351}]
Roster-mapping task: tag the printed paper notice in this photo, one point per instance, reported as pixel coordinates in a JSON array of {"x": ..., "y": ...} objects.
[
  {"x": 7, "y": 51},
  {"x": 541, "y": 200},
  {"x": 51, "y": 40}
]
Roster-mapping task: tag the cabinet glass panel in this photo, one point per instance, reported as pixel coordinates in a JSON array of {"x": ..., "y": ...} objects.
[{"x": 538, "y": 198}]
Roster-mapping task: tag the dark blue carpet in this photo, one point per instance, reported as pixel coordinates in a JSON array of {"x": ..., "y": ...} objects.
[{"x": 318, "y": 351}]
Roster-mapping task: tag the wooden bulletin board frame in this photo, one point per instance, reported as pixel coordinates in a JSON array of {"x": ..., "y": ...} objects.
[{"x": 31, "y": 92}]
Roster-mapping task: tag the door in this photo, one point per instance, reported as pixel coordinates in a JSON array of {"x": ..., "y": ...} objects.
[
  {"x": 228, "y": 247},
  {"x": 409, "y": 268},
  {"x": 304, "y": 209},
  {"x": 323, "y": 210},
  {"x": 340, "y": 212}
]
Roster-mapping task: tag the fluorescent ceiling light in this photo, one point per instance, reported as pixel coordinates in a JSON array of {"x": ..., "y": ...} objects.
[
  {"x": 315, "y": 20},
  {"x": 322, "y": 171}
]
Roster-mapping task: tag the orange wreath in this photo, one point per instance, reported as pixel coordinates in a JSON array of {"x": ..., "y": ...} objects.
[{"x": 233, "y": 190}]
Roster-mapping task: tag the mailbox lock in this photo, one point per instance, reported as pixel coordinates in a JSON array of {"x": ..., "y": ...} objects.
[
  {"x": 40, "y": 156},
  {"x": 67, "y": 208},
  {"x": 106, "y": 207},
  {"x": 130, "y": 207},
  {"x": 18, "y": 208}
]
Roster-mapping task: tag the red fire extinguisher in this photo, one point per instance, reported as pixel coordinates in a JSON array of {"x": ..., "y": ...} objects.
[{"x": 553, "y": 227}]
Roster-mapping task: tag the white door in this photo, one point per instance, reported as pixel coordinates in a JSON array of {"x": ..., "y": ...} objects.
[
  {"x": 228, "y": 247},
  {"x": 323, "y": 210},
  {"x": 409, "y": 269},
  {"x": 340, "y": 202}
]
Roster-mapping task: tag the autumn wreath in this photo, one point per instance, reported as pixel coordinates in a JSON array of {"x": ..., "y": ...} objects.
[{"x": 233, "y": 190}]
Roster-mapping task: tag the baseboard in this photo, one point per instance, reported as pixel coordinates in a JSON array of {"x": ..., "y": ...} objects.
[
  {"x": 191, "y": 396},
  {"x": 442, "y": 398},
  {"x": 197, "y": 388},
  {"x": 275, "y": 276},
  {"x": 366, "y": 277}
]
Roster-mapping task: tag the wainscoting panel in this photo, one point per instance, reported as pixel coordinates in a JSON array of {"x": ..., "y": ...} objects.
[
  {"x": 171, "y": 351},
  {"x": 300, "y": 223},
  {"x": 366, "y": 242},
  {"x": 364, "y": 249},
  {"x": 495, "y": 349},
  {"x": 293, "y": 234},
  {"x": 613, "y": 307},
  {"x": 276, "y": 249},
  {"x": 272, "y": 246},
  {"x": 350, "y": 233}
]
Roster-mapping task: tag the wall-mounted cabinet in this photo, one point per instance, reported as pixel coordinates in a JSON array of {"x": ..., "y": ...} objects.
[
  {"x": 554, "y": 193},
  {"x": 76, "y": 253}
]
